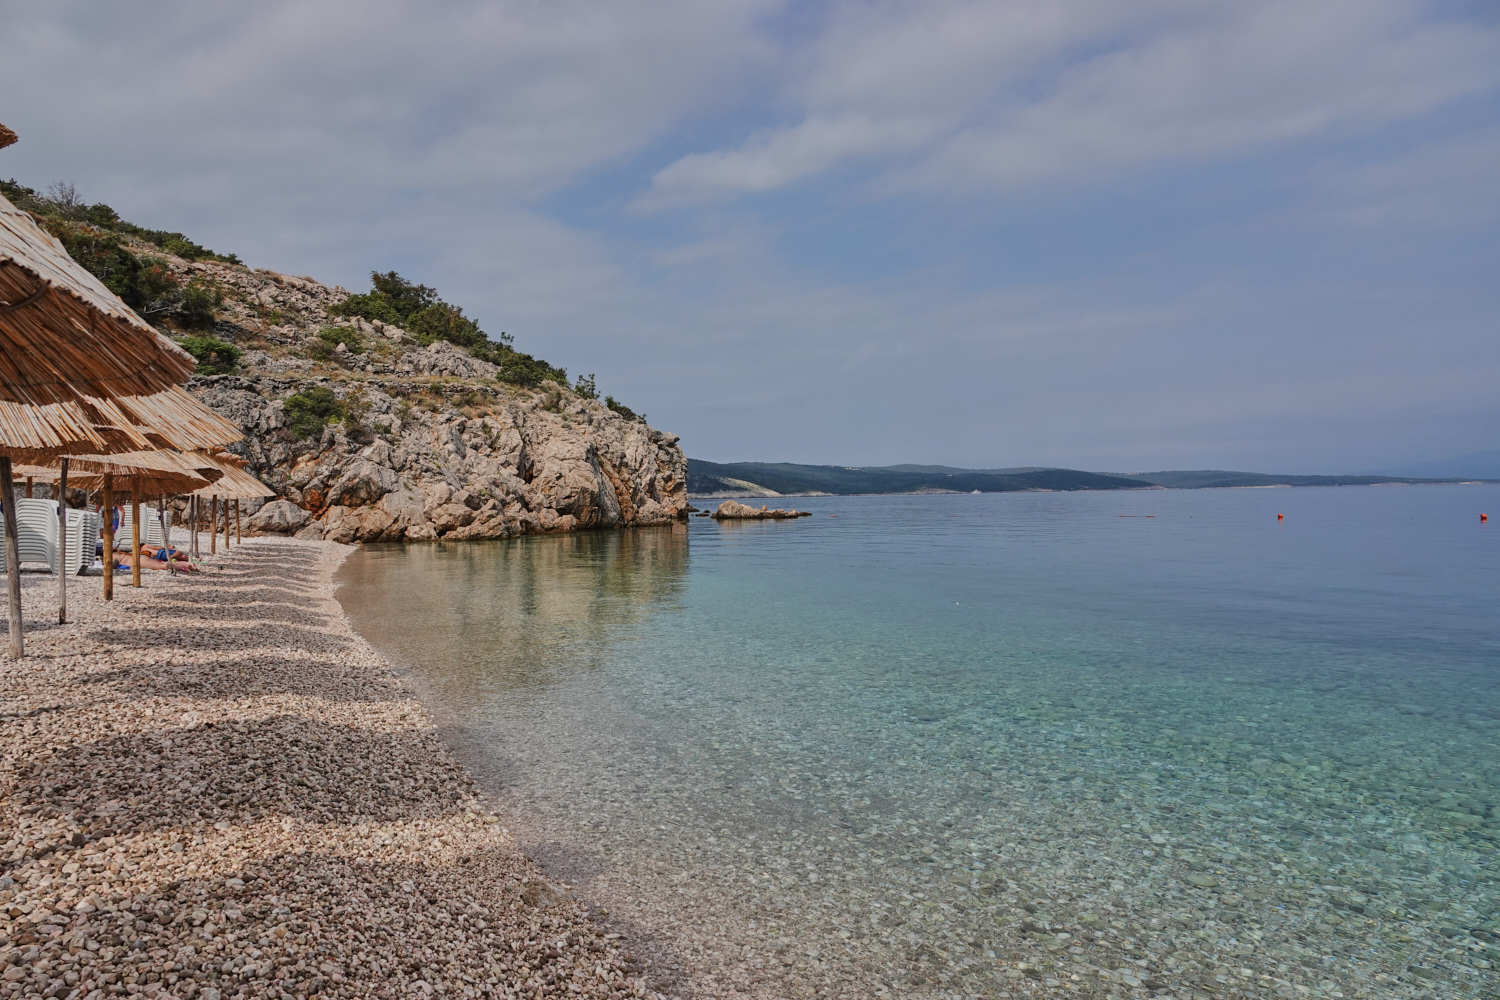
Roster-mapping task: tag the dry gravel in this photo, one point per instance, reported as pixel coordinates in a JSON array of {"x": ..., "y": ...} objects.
[{"x": 213, "y": 788}]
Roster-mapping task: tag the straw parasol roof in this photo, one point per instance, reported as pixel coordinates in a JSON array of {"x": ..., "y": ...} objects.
[
  {"x": 79, "y": 371},
  {"x": 63, "y": 334},
  {"x": 6, "y": 137},
  {"x": 236, "y": 483},
  {"x": 151, "y": 471}
]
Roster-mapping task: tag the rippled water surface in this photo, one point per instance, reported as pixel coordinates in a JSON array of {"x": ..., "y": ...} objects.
[{"x": 996, "y": 745}]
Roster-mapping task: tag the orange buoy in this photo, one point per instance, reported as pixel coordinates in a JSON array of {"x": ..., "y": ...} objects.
[
  {"x": 1280, "y": 517},
  {"x": 1484, "y": 517}
]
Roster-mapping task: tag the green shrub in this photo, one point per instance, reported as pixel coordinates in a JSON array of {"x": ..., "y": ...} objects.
[
  {"x": 393, "y": 299},
  {"x": 522, "y": 369},
  {"x": 369, "y": 305},
  {"x": 214, "y": 357},
  {"x": 418, "y": 309},
  {"x": 585, "y": 386},
  {"x": 310, "y": 411},
  {"x": 623, "y": 410},
  {"x": 442, "y": 321},
  {"x": 201, "y": 301},
  {"x": 145, "y": 284},
  {"x": 333, "y": 336}
]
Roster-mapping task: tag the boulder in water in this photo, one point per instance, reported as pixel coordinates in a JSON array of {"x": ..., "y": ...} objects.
[{"x": 732, "y": 510}]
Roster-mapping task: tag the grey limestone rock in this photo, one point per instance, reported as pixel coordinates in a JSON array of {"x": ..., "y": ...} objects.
[
  {"x": 429, "y": 444},
  {"x": 278, "y": 517},
  {"x": 732, "y": 510},
  {"x": 416, "y": 474}
]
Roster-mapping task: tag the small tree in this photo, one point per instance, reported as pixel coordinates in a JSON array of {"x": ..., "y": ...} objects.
[{"x": 201, "y": 301}]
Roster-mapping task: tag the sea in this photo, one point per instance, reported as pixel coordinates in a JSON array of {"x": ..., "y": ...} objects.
[{"x": 1185, "y": 743}]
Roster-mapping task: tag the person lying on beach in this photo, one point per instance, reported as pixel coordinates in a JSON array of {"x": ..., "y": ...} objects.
[
  {"x": 124, "y": 560},
  {"x": 158, "y": 552}
]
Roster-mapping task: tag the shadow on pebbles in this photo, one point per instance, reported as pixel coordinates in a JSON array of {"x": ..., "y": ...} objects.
[{"x": 212, "y": 788}]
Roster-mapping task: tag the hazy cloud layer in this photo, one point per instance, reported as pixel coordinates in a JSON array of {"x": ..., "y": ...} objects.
[{"x": 1053, "y": 231}]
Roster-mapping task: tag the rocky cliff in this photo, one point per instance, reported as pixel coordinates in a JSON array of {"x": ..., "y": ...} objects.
[{"x": 366, "y": 434}]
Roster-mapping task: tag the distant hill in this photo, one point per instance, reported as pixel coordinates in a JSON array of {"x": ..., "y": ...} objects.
[
  {"x": 1202, "y": 479},
  {"x": 1474, "y": 465},
  {"x": 768, "y": 479},
  {"x": 780, "y": 479}
]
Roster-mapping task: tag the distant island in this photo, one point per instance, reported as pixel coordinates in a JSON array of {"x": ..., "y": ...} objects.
[{"x": 770, "y": 479}]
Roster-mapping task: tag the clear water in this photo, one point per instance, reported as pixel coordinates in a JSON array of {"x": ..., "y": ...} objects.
[{"x": 994, "y": 745}]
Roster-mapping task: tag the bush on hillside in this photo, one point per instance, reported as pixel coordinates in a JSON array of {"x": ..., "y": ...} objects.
[
  {"x": 201, "y": 301},
  {"x": 145, "y": 284},
  {"x": 623, "y": 410},
  {"x": 213, "y": 355},
  {"x": 308, "y": 412},
  {"x": 333, "y": 336},
  {"x": 442, "y": 321},
  {"x": 522, "y": 369},
  {"x": 418, "y": 309}
]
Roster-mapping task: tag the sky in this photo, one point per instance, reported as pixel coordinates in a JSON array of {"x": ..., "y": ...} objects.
[{"x": 1260, "y": 234}]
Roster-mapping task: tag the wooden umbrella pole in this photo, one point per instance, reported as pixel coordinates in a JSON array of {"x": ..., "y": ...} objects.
[
  {"x": 29, "y": 491},
  {"x": 166, "y": 533},
  {"x": 226, "y": 524},
  {"x": 64, "y": 564},
  {"x": 237, "y": 539},
  {"x": 193, "y": 528},
  {"x": 135, "y": 531},
  {"x": 109, "y": 536},
  {"x": 12, "y": 559},
  {"x": 213, "y": 525}
]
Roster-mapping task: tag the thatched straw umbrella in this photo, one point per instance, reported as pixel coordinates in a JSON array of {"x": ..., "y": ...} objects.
[
  {"x": 79, "y": 373},
  {"x": 147, "y": 473},
  {"x": 144, "y": 473},
  {"x": 235, "y": 485}
]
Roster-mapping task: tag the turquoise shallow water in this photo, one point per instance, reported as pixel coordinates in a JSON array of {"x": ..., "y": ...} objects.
[{"x": 991, "y": 745}]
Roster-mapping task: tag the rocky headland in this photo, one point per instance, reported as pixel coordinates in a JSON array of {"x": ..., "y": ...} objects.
[{"x": 403, "y": 441}]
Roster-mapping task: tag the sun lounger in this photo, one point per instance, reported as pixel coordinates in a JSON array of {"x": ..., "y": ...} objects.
[
  {"x": 36, "y": 524},
  {"x": 83, "y": 533}
]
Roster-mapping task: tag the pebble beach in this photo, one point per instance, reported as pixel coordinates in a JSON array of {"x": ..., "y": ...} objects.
[{"x": 213, "y": 788}]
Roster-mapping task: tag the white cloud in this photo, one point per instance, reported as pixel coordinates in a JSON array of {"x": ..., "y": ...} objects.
[
  {"x": 333, "y": 107},
  {"x": 956, "y": 96}
]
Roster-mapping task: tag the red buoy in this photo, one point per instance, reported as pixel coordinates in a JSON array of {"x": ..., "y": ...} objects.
[{"x": 1280, "y": 517}]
